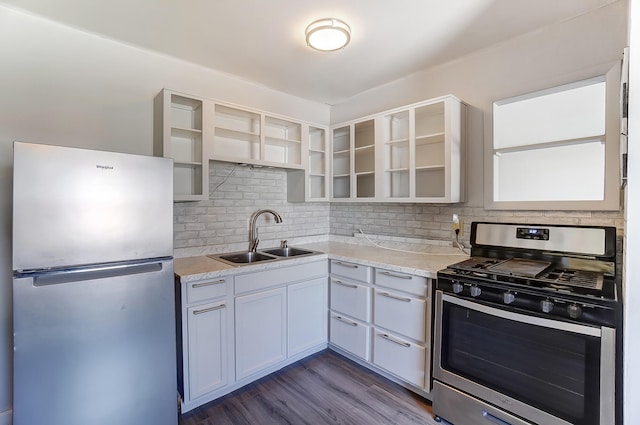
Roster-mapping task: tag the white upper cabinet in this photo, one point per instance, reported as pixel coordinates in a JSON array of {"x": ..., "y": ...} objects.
[
  {"x": 193, "y": 130},
  {"x": 311, "y": 184},
  {"x": 179, "y": 134},
  {"x": 410, "y": 154},
  {"x": 557, "y": 148}
]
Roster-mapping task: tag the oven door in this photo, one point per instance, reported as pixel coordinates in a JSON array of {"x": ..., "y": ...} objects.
[{"x": 544, "y": 371}]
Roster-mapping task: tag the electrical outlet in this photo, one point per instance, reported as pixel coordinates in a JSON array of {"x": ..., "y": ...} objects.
[{"x": 457, "y": 225}]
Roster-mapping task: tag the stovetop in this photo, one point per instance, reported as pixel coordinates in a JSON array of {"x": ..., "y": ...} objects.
[
  {"x": 533, "y": 273},
  {"x": 556, "y": 271}
]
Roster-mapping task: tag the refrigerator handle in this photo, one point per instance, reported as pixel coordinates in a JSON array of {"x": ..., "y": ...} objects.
[{"x": 92, "y": 273}]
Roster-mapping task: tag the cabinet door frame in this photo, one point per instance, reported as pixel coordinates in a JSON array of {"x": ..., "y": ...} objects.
[
  {"x": 209, "y": 319},
  {"x": 611, "y": 199},
  {"x": 251, "y": 336},
  {"x": 315, "y": 315}
]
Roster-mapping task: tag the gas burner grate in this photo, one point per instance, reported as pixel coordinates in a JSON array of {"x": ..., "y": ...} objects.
[
  {"x": 476, "y": 264},
  {"x": 574, "y": 278}
]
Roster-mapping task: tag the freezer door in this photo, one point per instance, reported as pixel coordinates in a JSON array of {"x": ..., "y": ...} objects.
[
  {"x": 76, "y": 206},
  {"x": 96, "y": 347}
]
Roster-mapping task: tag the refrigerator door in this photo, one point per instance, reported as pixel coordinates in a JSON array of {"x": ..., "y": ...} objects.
[
  {"x": 96, "y": 346},
  {"x": 76, "y": 207}
]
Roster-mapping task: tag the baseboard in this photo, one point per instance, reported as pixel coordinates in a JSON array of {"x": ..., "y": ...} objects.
[{"x": 6, "y": 417}]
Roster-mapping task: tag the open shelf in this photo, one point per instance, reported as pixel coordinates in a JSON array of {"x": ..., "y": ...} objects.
[
  {"x": 186, "y": 113},
  {"x": 187, "y": 179},
  {"x": 365, "y": 159},
  {"x": 186, "y": 145},
  {"x": 341, "y": 139},
  {"x": 342, "y": 186},
  {"x": 237, "y": 120},
  {"x": 282, "y": 151},
  {"x": 364, "y": 134},
  {"x": 397, "y": 183},
  {"x": 430, "y": 182},
  {"x": 396, "y": 127},
  {"x": 365, "y": 185}
]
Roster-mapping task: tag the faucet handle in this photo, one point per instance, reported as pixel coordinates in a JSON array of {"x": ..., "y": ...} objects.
[{"x": 283, "y": 244}]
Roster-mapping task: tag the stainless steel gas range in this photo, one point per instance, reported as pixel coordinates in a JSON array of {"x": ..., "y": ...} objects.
[{"x": 526, "y": 328}]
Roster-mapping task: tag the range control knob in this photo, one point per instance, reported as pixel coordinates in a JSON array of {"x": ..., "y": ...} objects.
[
  {"x": 508, "y": 297},
  {"x": 574, "y": 311},
  {"x": 457, "y": 287},
  {"x": 546, "y": 306},
  {"x": 475, "y": 291}
]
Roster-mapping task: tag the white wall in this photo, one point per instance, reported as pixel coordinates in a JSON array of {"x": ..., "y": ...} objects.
[
  {"x": 65, "y": 87},
  {"x": 544, "y": 58},
  {"x": 62, "y": 86},
  {"x": 632, "y": 228}
]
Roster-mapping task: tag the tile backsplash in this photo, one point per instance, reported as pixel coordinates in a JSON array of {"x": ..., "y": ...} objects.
[{"x": 221, "y": 224}]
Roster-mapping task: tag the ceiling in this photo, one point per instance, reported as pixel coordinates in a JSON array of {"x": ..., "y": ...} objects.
[{"x": 263, "y": 40}]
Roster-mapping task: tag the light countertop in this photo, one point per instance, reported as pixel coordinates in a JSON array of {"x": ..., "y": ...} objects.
[{"x": 418, "y": 263}]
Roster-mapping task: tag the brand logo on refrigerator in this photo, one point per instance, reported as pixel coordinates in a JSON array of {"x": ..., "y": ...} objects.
[{"x": 105, "y": 167}]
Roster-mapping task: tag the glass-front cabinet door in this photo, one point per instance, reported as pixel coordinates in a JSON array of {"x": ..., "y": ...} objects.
[
  {"x": 410, "y": 154},
  {"x": 341, "y": 162}
]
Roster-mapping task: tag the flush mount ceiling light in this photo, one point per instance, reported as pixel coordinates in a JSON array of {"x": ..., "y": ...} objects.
[{"x": 328, "y": 34}]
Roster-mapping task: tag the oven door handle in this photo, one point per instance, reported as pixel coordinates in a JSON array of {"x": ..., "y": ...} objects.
[
  {"x": 522, "y": 318},
  {"x": 493, "y": 418}
]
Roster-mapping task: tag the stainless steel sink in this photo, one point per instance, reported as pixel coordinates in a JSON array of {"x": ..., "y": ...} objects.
[
  {"x": 244, "y": 257},
  {"x": 250, "y": 257},
  {"x": 288, "y": 252}
]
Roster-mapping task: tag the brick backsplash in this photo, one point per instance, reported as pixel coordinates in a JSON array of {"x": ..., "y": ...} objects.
[
  {"x": 221, "y": 223},
  {"x": 434, "y": 221}
]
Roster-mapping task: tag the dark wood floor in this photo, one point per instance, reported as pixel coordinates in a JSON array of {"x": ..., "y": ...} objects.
[{"x": 323, "y": 389}]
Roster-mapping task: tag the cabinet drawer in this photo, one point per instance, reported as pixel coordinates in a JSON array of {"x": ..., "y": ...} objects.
[
  {"x": 279, "y": 276},
  {"x": 404, "y": 359},
  {"x": 351, "y": 298},
  {"x": 417, "y": 285},
  {"x": 351, "y": 270},
  {"x": 207, "y": 289},
  {"x": 400, "y": 313},
  {"x": 350, "y": 335}
]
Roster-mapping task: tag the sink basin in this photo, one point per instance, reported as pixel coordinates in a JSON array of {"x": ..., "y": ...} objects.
[
  {"x": 273, "y": 254},
  {"x": 244, "y": 257},
  {"x": 287, "y": 252}
]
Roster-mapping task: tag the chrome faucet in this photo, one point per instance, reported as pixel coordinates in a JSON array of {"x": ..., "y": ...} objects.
[{"x": 253, "y": 230}]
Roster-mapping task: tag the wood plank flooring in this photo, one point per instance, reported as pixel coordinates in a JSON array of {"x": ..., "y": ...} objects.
[{"x": 326, "y": 388}]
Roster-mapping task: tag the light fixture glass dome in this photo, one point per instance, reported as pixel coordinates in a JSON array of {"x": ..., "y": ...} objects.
[{"x": 328, "y": 34}]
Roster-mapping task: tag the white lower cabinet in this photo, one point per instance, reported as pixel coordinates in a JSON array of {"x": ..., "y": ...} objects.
[
  {"x": 208, "y": 360},
  {"x": 261, "y": 331},
  {"x": 350, "y": 317},
  {"x": 400, "y": 313},
  {"x": 205, "y": 339},
  {"x": 400, "y": 356},
  {"x": 236, "y": 329},
  {"x": 383, "y": 317},
  {"x": 307, "y": 318},
  {"x": 402, "y": 326},
  {"x": 350, "y": 335}
]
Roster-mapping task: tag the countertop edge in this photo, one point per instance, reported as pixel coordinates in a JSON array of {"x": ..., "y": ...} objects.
[{"x": 193, "y": 269}]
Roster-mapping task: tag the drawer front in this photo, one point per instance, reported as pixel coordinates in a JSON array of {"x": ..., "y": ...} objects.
[
  {"x": 402, "y": 358},
  {"x": 351, "y": 270},
  {"x": 400, "y": 313},
  {"x": 351, "y": 298},
  {"x": 207, "y": 289},
  {"x": 416, "y": 285},
  {"x": 350, "y": 335},
  {"x": 258, "y": 281}
]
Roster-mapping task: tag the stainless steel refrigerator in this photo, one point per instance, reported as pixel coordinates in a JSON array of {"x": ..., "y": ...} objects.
[{"x": 93, "y": 297}]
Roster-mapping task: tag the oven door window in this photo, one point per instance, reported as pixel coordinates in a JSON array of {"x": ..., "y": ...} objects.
[{"x": 553, "y": 370}]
